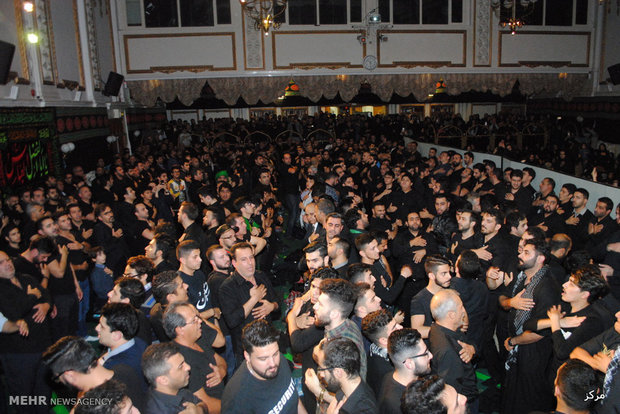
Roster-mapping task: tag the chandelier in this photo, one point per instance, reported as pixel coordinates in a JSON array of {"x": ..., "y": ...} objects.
[
  {"x": 264, "y": 13},
  {"x": 512, "y": 21}
]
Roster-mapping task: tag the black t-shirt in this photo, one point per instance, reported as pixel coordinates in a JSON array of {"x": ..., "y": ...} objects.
[
  {"x": 361, "y": 401},
  {"x": 197, "y": 290},
  {"x": 63, "y": 285},
  {"x": 126, "y": 375},
  {"x": 390, "y": 395},
  {"x": 246, "y": 394},
  {"x": 199, "y": 361},
  {"x": 25, "y": 267},
  {"x": 421, "y": 305}
]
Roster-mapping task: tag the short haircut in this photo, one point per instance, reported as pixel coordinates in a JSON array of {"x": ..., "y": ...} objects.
[
  {"x": 70, "y": 353},
  {"x": 342, "y": 243},
  {"x": 577, "y": 259},
  {"x": 468, "y": 264},
  {"x": 363, "y": 240},
  {"x": 325, "y": 206},
  {"x": 258, "y": 333},
  {"x": 155, "y": 360},
  {"x": 132, "y": 289},
  {"x": 424, "y": 396},
  {"x": 402, "y": 344},
  {"x": 551, "y": 181},
  {"x": 241, "y": 202},
  {"x": 39, "y": 222},
  {"x": 469, "y": 154},
  {"x": 325, "y": 272},
  {"x": 334, "y": 215},
  {"x": 316, "y": 246},
  {"x": 121, "y": 317},
  {"x": 100, "y": 208},
  {"x": 516, "y": 173},
  {"x": 530, "y": 171},
  {"x": 211, "y": 251},
  {"x": 584, "y": 192},
  {"x": 609, "y": 205},
  {"x": 173, "y": 319},
  {"x": 496, "y": 213},
  {"x": 432, "y": 263},
  {"x": 374, "y": 325},
  {"x": 351, "y": 217},
  {"x": 570, "y": 187},
  {"x": 480, "y": 167},
  {"x": 443, "y": 302},
  {"x": 164, "y": 243},
  {"x": 164, "y": 283},
  {"x": 356, "y": 271},
  {"x": 190, "y": 210},
  {"x": 575, "y": 380},
  {"x": 589, "y": 279},
  {"x": 514, "y": 218},
  {"x": 142, "y": 265},
  {"x": 540, "y": 246},
  {"x": 186, "y": 247},
  {"x": 341, "y": 293},
  {"x": 536, "y": 233},
  {"x": 239, "y": 246},
  {"x": 113, "y": 392},
  {"x": 560, "y": 241},
  {"x": 342, "y": 353},
  {"x": 43, "y": 244},
  {"x": 557, "y": 199}
]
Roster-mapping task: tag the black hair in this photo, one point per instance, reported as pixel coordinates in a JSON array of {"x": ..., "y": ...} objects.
[
  {"x": 121, "y": 317},
  {"x": 342, "y": 353},
  {"x": 258, "y": 333},
  {"x": 132, "y": 289}
]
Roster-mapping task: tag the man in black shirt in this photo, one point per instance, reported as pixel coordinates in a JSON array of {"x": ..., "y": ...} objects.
[
  {"x": 451, "y": 354},
  {"x": 339, "y": 370},
  {"x": 168, "y": 374},
  {"x": 246, "y": 295},
  {"x": 438, "y": 270},
  {"x": 159, "y": 250},
  {"x": 188, "y": 254},
  {"x": 411, "y": 358},
  {"x": 263, "y": 383}
]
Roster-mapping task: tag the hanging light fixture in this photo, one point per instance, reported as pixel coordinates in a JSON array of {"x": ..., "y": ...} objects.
[
  {"x": 264, "y": 13},
  {"x": 513, "y": 22}
]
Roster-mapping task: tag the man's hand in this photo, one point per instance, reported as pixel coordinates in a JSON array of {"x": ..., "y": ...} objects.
[
  {"x": 214, "y": 378},
  {"x": 509, "y": 196},
  {"x": 507, "y": 345},
  {"x": 79, "y": 293},
  {"x": 418, "y": 256},
  {"x": 33, "y": 291},
  {"x": 258, "y": 292},
  {"x": 22, "y": 327},
  {"x": 312, "y": 382},
  {"x": 335, "y": 406},
  {"x": 521, "y": 303},
  {"x": 602, "y": 360},
  {"x": 572, "y": 221},
  {"x": 606, "y": 270},
  {"x": 191, "y": 408},
  {"x": 63, "y": 250},
  {"x": 483, "y": 253},
  {"x": 41, "y": 312},
  {"x": 613, "y": 247},
  {"x": 263, "y": 310},
  {"x": 118, "y": 233},
  {"x": 399, "y": 317},
  {"x": 467, "y": 352},
  {"x": 304, "y": 321},
  {"x": 425, "y": 214},
  {"x": 406, "y": 271},
  {"x": 418, "y": 241},
  {"x": 87, "y": 233},
  {"x": 571, "y": 321}
]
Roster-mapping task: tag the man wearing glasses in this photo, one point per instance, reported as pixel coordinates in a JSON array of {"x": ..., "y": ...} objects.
[{"x": 411, "y": 358}]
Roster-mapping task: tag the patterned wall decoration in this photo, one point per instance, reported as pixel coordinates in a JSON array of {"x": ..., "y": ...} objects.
[{"x": 482, "y": 42}]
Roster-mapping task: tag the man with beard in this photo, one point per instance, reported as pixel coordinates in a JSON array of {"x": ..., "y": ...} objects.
[
  {"x": 168, "y": 374},
  {"x": 438, "y": 270},
  {"x": 466, "y": 237},
  {"x": 548, "y": 220},
  {"x": 263, "y": 384},
  {"x": 158, "y": 250},
  {"x": 303, "y": 332},
  {"x": 526, "y": 387},
  {"x": 493, "y": 251},
  {"x": 577, "y": 224},
  {"x": 220, "y": 263},
  {"x": 411, "y": 358},
  {"x": 338, "y": 252},
  {"x": 109, "y": 236},
  {"x": 443, "y": 224},
  {"x": 521, "y": 197},
  {"x": 331, "y": 311},
  {"x": 339, "y": 371}
]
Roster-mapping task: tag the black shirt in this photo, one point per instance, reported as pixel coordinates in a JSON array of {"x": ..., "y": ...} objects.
[
  {"x": 246, "y": 394},
  {"x": 361, "y": 401},
  {"x": 160, "y": 403},
  {"x": 390, "y": 395}
]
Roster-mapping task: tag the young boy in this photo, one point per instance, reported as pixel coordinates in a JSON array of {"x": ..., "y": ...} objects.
[{"x": 101, "y": 278}]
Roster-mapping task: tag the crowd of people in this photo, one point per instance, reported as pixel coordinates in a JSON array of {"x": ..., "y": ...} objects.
[{"x": 397, "y": 276}]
